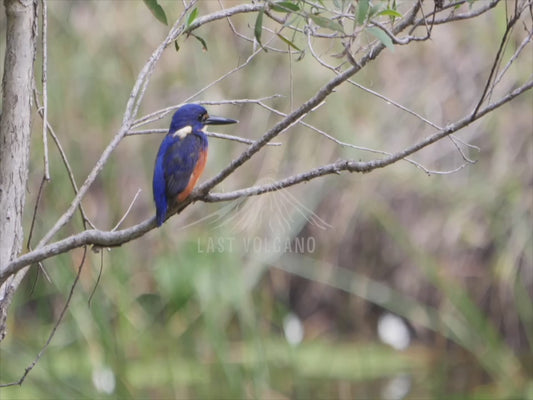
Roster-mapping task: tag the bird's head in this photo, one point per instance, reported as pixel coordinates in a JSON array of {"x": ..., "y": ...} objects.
[{"x": 194, "y": 117}]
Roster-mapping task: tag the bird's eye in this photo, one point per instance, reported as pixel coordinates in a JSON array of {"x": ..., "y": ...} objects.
[{"x": 204, "y": 116}]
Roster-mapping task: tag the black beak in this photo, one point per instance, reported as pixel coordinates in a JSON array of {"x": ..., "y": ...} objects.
[{"x": 219, "y": 121}]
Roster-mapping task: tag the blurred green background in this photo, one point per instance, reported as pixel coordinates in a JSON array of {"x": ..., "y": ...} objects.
[{"x": 215, "y": 304}]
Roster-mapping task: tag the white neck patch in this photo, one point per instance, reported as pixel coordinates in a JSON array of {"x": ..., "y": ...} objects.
[{"x": 183, "y": 132}]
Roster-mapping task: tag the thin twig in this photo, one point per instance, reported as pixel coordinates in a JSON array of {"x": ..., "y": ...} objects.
[
  {"x": 454, "y": 17},
  {"x": 316, "y": 56},
  {"x": 497, "y": 59},
  {"x": 327, "y": 135},
  {"x": 239, "y": 101},
  {"x": 456, "y": 142},
  {"x": 237, "y": 138},
  {"x": 64, "y": 158},
  {"x": 388, "y": 100},
  {"x": 226, "y": 75},
  {"x": 44, "y": 80},
  {"x": 32, "y": 225},
  {"x": 246, "y": 38},
  {"x": 510, "y": 62},
  {"x": 394, "y": 38},
  {"x": 54, "y": 329},
  {"x": 159, "y": 114},
  {"x": 100, "y": 270},
  {"x": 210, "y": 134},
  {"x": 127, "y": 211},
  {"x": 34, "y": 214}
]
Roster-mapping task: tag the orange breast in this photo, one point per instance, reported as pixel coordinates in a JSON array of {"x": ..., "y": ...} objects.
[{"x": 196, "y": 173}]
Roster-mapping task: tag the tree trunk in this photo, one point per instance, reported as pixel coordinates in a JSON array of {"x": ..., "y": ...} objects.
[{"x": 15, "y": 128}]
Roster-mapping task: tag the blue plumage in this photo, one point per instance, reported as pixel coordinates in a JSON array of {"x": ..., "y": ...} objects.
[{"x": 181, "y": 157}]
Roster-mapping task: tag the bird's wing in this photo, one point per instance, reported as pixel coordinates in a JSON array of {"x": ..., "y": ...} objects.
[{"x": 179, "y": 163}]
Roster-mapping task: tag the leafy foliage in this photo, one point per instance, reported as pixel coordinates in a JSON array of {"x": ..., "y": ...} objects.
[
  {"x": 382, "y": 36},
  {"x": 157, "y": 11},
  {"x": 258, "y": 27},
  {"x": 192, "y": 16}
]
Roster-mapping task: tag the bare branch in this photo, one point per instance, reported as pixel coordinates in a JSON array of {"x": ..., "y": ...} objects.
[
  {"x": 64, "y": 158},
  {"x": 159, "y": 114},
  {"x": 89, "y": 237},
  {"x": 117, "y": 238},
  {"x": 44, "y": 80},
  {"x": 100, "y": 270},
  {"x": 455, "y": 140},
  {"x": 34, "y": 214},
  {"x": 362, "y": 148},
  {"x": 395, "y": 104},
  {"x": 526, "y": 40},
  {"x": 293, "y": 117},
  {"x": 355, "y": 166},
  {"x": 210, "y": 134},
  {"x": 455, "y": 17},
  {"x": 133, "y": 104},
  {"x": 497, "y": 59},
  {"x": 237, "y": 138},
  {"x": 54, "y": 329},
  {"x": 127, "y": 211},
  {"x": 401, "y": 41},
  {"x": 32, "y": 225}
]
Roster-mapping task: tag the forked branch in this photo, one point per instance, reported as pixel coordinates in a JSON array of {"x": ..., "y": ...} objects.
[{"x": 116, "y": 238}]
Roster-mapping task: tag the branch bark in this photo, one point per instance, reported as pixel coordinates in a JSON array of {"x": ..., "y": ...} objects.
[
  {"x": 15, "y": 128},
  {"x": 116, "y": 238}
]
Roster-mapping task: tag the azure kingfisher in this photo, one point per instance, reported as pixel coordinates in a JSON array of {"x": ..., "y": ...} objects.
[{"x": 182, "y": 156}]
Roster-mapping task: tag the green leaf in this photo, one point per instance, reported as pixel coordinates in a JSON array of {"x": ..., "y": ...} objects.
[
  {"x": 326, "y": 23},
  {"x": 285, "y": 6},
  {"x": 362, "y": 11},
  {"x": 258, "y": 29},
  {"x": 287, "y": 41},
  {"x": 176, "y": 46},
  {"x": 192, "y": 16},
  {"x": 156, "y": 10},
  {"x": 390, "y": 12},
  {"x": 201, "y": 40},
  {"x": 382, "y": 37}
]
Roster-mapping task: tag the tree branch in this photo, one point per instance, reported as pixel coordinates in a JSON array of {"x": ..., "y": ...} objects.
[
  {"x": 357, "y": 166},
  {"x": 54, "y": 329},
  {"x": 497, "y": 59},
  {"x": 454, "y": 17},
  {"x": 116, "y": 238},
  {"x": 210, "y": 134},
  {"x": 15, "y": 130},
  {"x": 133, "y": 103}
]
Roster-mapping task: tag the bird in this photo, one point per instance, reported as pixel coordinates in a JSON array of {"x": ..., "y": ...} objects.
[{"x": 182, "y": 156}]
